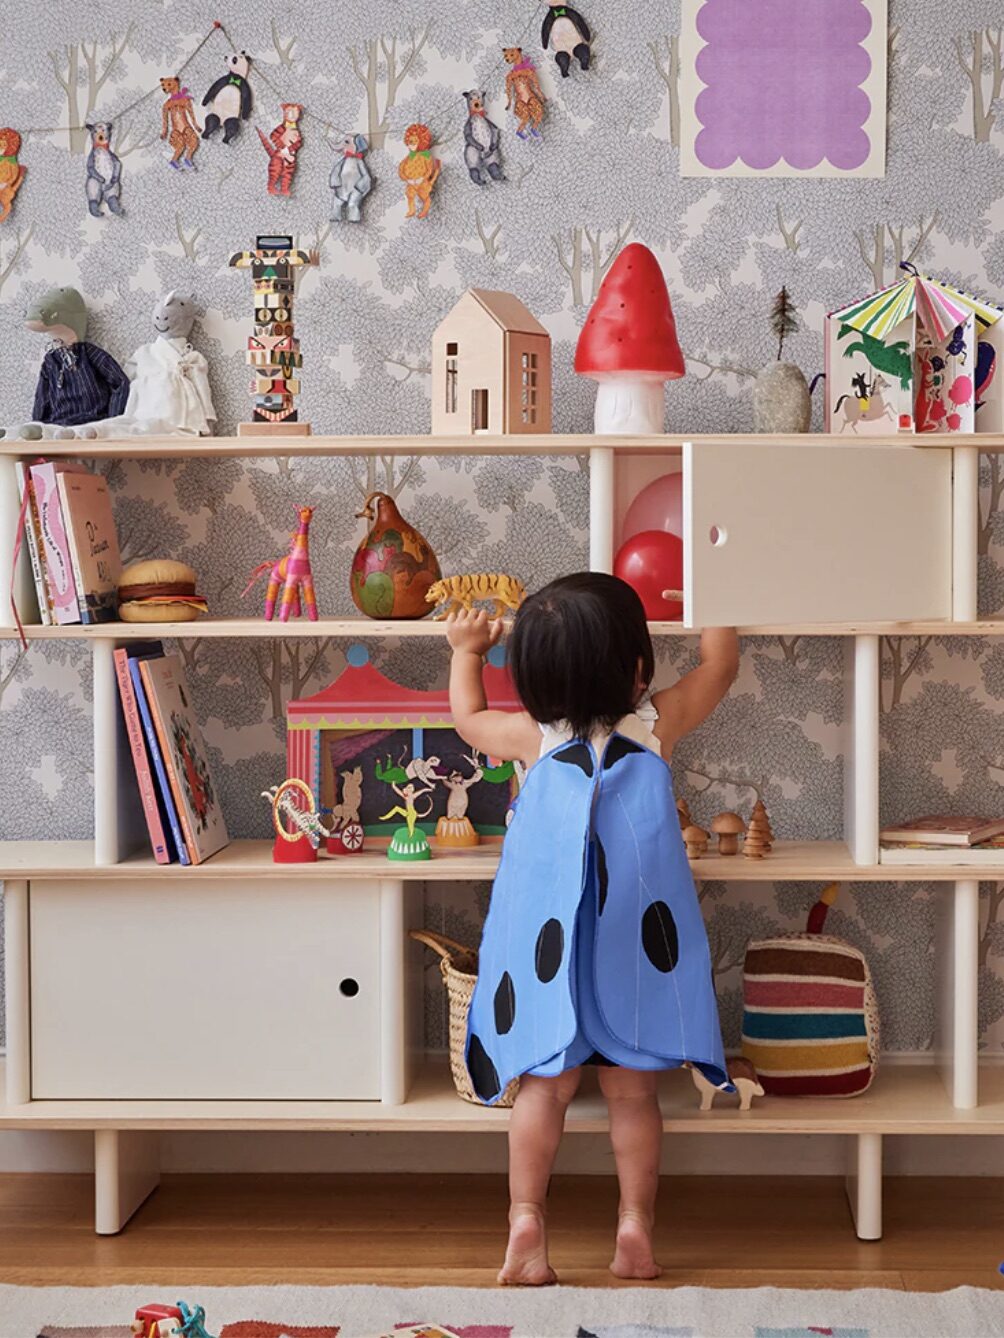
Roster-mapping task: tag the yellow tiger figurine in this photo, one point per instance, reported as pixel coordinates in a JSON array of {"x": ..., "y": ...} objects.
[{"x": 461, "y": 592}]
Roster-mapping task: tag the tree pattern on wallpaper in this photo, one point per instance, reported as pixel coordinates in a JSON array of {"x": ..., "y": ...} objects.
[{"x": 604, "y": 173}]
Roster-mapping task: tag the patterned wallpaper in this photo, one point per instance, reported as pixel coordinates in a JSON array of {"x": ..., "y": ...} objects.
[{"x": 605, "y": 172}]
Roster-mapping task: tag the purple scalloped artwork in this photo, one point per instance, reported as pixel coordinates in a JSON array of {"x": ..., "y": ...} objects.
[{"x": 783, "y": 88}]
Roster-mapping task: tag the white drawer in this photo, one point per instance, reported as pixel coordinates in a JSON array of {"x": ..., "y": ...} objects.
[{"x": 216, "y": 990}]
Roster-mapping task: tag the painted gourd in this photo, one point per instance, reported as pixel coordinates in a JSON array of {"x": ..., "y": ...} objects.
[{"x": 394, "y": 566}]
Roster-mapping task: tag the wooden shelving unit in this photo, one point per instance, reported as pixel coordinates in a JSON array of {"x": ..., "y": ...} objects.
[{"x": 856, "y": 538}]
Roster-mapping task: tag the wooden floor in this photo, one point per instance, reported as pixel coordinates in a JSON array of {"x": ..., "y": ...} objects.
[{"x": 449, "y": 1230}]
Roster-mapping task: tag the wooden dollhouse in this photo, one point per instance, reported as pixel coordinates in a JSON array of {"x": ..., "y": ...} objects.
[{"x": 491, "y": 368}]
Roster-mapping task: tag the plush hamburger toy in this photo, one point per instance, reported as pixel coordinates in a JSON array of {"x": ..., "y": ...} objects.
[{"x": 159, "y": 590}]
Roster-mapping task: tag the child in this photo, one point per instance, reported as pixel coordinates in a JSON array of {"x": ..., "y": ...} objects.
[{"x": 594, "y": 951}]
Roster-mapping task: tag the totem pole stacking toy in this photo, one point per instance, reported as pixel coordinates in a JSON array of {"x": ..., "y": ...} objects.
[{"x": 273, "y": 349}]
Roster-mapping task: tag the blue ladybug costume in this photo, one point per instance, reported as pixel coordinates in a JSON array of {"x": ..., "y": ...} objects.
[{"x": 594, "y": 947}]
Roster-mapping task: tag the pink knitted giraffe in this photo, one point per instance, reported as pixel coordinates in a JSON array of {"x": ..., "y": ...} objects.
[{"x": 291, "y": 574}]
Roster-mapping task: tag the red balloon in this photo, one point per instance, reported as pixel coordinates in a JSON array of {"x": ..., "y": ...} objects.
[{"x": 652, "y": 562}]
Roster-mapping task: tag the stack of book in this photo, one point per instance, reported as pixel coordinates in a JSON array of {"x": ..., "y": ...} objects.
[
  {"x": 944, "y": 839},
  {"x": 180, "y": 801},
  {"x": 70, "y": 534}
]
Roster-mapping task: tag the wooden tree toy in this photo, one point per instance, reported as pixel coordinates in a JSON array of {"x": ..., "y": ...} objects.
[
  {"x": 728, "y": 827},
  {"x": 759, "y": 836},
  {"x": 292, "y": 575},
  {"x": 696, "y": 840},
  {"x": 273, "y": 348}
]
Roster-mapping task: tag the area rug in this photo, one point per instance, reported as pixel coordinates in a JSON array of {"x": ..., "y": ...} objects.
[{"x": 372, "y": 1312}]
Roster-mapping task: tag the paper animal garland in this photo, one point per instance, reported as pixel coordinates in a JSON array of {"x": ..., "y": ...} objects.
[
  {"x": 523, "y": 93},
  {"x": 229, "y": 98},
  {"x": 11, "y": 171},
  {"x": 282, "y": 146},
  {"x": 419, "y": 171},
  {"x": 567, "y": 33},
  {"x": 178, "y": 124},
  {"x": 482, "y": 142},
  {"x": 104, "y": 171},
  {"x": 272, "y": 348},
  {"x": 350, "y": 180}
]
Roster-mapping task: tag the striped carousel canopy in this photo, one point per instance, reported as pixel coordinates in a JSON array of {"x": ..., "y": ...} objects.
[{"x": 938, "y": 306}]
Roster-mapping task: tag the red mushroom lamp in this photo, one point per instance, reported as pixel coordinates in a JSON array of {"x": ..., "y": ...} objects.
[{"x": 628, "y": 344}]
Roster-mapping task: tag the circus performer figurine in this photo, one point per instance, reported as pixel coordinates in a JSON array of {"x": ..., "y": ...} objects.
[
  {"x": 409, "y": 842},
  {"x": 456, "y": 830}
]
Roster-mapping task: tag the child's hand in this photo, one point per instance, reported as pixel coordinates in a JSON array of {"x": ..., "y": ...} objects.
[{"x": 472, "y": 631}]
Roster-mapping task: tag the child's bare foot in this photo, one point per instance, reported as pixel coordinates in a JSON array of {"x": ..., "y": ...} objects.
[
  {"x": 633, "y": 1257},
  {"x": 526, "y": 1254}
]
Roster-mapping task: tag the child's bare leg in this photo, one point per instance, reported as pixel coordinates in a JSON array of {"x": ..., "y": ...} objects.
[
  {"x": 636, "y": 1136},
  {"x": 535, "y": 1128}
]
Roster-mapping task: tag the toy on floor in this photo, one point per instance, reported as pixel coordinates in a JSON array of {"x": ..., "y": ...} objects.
[
  {"x": 273, "y": 348},
  {"x": 419, "y": 171},
  {"x": 482, "y": 141},
  {"x": 524, "y": 95},
  {"x": 299, "y": 830},
  {"x": 567, "y": 32},
  {"x": 12, "y": 173},
  {"x": 159, "y": 590},
  {"x": 178, "y": 124},
  {"x": 742, "y": 1076},
  {"x": 408, "y": 842},
  {"x": 229, "y": 98},
  {"x": 696, "y": 841},
  {"x": 456, "y": 831},
  {"x": 351, "y": 180},
  {"x": 282, "y": 147},
  {"x": 457, "y": 593},
  {"x": 728, "y": 827},
  {"x": 394, "y": 567},
  {"x": 170, "y": 1321},
  {"x": 78, "y": 382},
  {"x": 291, "y": 575},
  {"x": 346, "y": 835},
  {"x": 104, "y": 171}
]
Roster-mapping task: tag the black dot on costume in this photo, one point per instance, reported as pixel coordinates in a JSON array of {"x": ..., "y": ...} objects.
[
  {"x": 602, "y": 874},
  {"x": 483, "y": 1073},
  {"x": 659, "y": 937},
  {"x": 505, "y": 1005},
  {"x": 549, "y": 951},
  {"x": 577, "y": 755},
  {"x": 617, "y": 748}
]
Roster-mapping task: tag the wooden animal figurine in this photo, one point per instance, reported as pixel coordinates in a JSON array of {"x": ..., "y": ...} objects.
[
  {"x": 346, "y": 833},
  {"x": 482, "y": 142},
  {"x": 229, "y": 98},
  {"x": 178, "y": 124},
  {"x": 567, "y": 32},
  {"x": 11, "y": 171},
  {"x": 456, "y": 830},
  {"x": 104, "y": 171},
  {"x": 292, "y": 575},
  {"x": 524, "y": 95},
  {"x": 282, "y": 146},
  {"x": 419, "y": 171},
  {"x": 351, "y": 180},
  {"x": 728, "y": 827},
  {"x": 394, "y": 567},
  {"x": 743, "y": 1077},
  {"x": 696, "y": 840},
  {"x": 460, "y": 592}
]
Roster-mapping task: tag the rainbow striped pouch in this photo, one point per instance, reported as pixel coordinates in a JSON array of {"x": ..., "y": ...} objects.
[{"x": 810, "y": 1016}]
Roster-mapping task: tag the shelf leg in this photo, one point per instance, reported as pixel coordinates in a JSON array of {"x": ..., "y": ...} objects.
[
  {"x": 965, "y": 527},
  {"x": 601, "y": 509},
  {"x": 394, "y": 1057},
  {"x": 126, "y": 1172},
  {"x": 861, "y": 767},
  {"x": 957, "y": 940},
  {"x": 17, "y": 994},
  {"x": 864, "y": 1185}
]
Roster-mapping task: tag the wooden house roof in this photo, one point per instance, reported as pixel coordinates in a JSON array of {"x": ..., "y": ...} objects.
[{"x": 507, "y": 311}]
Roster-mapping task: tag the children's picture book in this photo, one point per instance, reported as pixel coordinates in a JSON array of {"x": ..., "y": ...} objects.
[
  {"x": 93, "y": 545},
  {"x": 185, "y": 756},
  {"x": 153, "y": 808},
  {"x": 58, "y": 561},
  {"x": 914, "y": 852},
  {"x": 153, "y": 747},
  {"x": 944, "y": 830},
  {"x": 33, "y": 540}
]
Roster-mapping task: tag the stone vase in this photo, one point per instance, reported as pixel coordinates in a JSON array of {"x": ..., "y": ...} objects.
[{"x": 781, "y": 401}]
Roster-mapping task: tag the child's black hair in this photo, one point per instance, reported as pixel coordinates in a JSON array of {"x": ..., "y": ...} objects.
[{"x": 580, "y": 652}]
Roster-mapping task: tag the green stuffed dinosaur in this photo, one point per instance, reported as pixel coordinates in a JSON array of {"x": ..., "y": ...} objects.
[{"x": 895, "y": 359}]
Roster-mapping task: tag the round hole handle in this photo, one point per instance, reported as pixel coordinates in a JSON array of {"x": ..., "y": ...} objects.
[{"x": 349, "y": 987}]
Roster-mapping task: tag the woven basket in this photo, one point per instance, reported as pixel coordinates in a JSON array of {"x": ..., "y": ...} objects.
[{"x": 459, "y": 967}]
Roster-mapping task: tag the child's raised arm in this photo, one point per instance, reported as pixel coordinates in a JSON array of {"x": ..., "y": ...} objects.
[
  {"x": 509, "y": 735},
  {"x": 690, "y": 701}
]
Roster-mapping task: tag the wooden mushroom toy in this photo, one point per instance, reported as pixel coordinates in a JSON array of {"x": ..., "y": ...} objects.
[
  {"x": 696, "y": 840},
  {"x": 728, "y": 827},
  {"x": 629, "y": 346}
]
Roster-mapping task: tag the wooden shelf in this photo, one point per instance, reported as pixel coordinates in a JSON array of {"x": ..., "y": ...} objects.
[
  {"x": 182, "y": 448},
  {"x": 789, "y": 861},
  {"x": 904, "y": 1099},
  {"x": 362, "y": 629}
]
